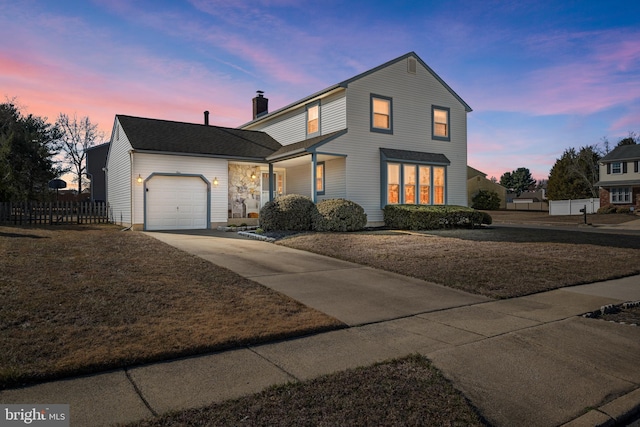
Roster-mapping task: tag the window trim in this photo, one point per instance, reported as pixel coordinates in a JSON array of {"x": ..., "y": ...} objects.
[
  {"x": 433, "y": 123},
  {"x": 320, "y": 165},
  {"x": 371, "y": 114},
  {"x": 307, "y": 108}
]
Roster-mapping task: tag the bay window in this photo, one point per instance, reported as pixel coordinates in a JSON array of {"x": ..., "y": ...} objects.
[
  {"x": 425, "y": 185},
  {"x": 393, "y": 183},
  {"x": 409, "y": 183}
]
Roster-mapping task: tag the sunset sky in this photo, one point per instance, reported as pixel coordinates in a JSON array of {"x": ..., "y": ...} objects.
[{"x": 541, "y": 76}]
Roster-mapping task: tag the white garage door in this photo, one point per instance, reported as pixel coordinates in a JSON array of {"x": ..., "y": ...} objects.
[{"x": 176, "y": 203}]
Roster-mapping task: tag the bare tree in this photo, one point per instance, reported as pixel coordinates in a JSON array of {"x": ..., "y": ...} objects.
[{"x": 77, "y": 137}]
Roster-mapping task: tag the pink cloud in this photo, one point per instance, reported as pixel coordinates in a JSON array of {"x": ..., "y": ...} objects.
[{"x": 604, "y": 76}]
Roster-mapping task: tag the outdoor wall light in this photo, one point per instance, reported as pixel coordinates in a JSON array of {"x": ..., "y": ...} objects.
[
  {"x": 253, "y": 175},
  {"x": 139, "y": 179},
  {"x": 215, "y": 181}
]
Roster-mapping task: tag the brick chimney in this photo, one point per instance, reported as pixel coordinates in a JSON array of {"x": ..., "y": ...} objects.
[
  {"x": 206, "y": 118},
  {"x": 260, "y": 105}
]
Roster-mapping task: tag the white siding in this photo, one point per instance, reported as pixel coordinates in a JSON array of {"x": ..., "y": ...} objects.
[
  {"x": 288, "y": 128},
  {"x": 333, "y": 113},
  {"x": 119, "y": 178},
  {"x": 299, "y": 180},
  {"x": 412, "y": 95},
  {"x": 146, "y": 164},
  {"x": 334, "y": 180},
  {"x": 291, "y": 127}
]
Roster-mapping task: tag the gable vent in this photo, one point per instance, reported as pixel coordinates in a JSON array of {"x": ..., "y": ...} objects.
[{"x": 411, "y": 65}]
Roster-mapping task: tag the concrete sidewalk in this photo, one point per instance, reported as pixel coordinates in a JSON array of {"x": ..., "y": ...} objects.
[{"x": 523, "y": 361}]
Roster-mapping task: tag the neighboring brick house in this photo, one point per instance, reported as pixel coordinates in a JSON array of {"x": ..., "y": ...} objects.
[{"x": 620, "y": 177}]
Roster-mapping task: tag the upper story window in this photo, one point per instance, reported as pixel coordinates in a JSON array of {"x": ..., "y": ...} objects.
[
  {"x": 313, "y": 119},
  {"x": 616, "y": 167},
  {"x": 440, "y": 123},
  {"x": 381, "y": 114}
]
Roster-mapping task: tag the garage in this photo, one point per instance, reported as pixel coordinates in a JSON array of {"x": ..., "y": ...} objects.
[{"x": 176, "y": 202}]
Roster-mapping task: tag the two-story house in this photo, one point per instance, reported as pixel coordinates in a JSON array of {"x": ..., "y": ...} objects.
[
  {"x": 394, "y": 134},
  {"x": 620, "y": 177}
]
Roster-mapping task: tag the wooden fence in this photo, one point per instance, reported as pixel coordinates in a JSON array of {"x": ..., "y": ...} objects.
[{"x": 27, "y": 213}]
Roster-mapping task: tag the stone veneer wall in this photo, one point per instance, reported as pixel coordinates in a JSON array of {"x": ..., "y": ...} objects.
[{"x": 241, "y": 186}]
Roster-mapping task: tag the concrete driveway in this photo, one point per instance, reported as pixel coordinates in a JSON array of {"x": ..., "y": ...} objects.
[{"x": 349, "y": 292}]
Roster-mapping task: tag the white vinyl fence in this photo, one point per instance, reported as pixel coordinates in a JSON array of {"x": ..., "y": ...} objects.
[{"x": 572, "y": 207}]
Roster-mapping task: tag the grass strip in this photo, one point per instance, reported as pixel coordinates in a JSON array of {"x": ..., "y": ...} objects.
[{"x": 400, "y": 392}]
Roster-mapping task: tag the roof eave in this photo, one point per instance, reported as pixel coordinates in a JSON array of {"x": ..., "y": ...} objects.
[{"x": 210, "y": 155}]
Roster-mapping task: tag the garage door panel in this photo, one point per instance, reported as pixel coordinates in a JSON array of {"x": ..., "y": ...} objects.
[{"x": 176, "y": 202}]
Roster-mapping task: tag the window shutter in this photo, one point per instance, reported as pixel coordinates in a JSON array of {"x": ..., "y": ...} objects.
[
  {"x": 624, "y": 167},
  {"x": 635, "y": 166},
  {"x": 608, "y": 168}
]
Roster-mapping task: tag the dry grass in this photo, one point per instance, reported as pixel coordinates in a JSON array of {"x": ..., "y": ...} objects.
[
  {"x": 533, "y": 217},
  {"x": 403, "y": 392},
  {"x": 82, "y": 299},
  {"x": 496, "y": 262}
]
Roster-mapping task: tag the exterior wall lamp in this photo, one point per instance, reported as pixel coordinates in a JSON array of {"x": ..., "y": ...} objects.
[
  {"x": 215, "y": 181},
  {"x": 139, "y": 179}
]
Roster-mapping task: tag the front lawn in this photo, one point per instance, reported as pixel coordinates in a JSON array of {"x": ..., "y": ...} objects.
[
  {"x": 495, "y": 262},
  {"x": 87, "y": 298}
]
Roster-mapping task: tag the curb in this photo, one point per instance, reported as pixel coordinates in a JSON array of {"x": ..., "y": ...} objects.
[
  {"x": 620, "y": 411},
  {"x": 255, "y": 236}
]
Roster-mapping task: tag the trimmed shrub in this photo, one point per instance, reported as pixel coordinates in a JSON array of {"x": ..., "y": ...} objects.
[
  {"x": 488, "y": 200},
  {"x": 338, "y": 215},
  {"x": 421, "y": 217},
  {"x": 623, "y": 209},
  {"x": 292, "y": 212}
]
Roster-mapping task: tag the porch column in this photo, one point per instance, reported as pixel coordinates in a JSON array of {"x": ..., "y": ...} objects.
[
  {"x": 314, "y": 161},
  {"x": 271, "y": 182}
]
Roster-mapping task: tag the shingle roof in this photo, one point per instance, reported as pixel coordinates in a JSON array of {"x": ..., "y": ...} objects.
[
  {"x": 414, "y": 156},
  {"x": 623, "y": 152},
  {"x": 307, "y": 145},
  {"x": 190, "y": 138}
]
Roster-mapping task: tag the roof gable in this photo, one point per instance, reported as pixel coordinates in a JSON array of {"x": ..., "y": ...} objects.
[
  {"x": 345, "y": 84},
  {"x": 198, "y": 139}
]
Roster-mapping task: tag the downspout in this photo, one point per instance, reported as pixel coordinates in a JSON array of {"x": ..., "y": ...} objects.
[
  {"x": 314, "y": 193},
  {"x": 132, "y": 187}
]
